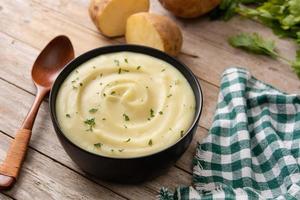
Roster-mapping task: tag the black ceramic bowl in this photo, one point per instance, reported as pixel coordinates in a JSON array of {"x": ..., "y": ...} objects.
[{"x": 128, "y": 170}]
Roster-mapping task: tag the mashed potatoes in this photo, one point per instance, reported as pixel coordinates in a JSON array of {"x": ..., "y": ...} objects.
[{"x": 125, "y": 105}]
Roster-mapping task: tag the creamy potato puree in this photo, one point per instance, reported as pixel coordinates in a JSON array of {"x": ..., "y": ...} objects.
[{"x": 125, "y": 105}]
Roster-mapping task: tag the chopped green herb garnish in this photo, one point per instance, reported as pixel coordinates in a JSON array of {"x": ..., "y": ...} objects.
[
  {"x": 147, "y": 87},
  {"x": 128, "y": 140},
  {"x": 181, "y": 133},
  {"x": 138, "y": 67},
  {"x": 104, "y": 94},
  {"x": 163, "y": 70},
  {"x": 125, "y": 126},
  {"x": 117, "y": 62},
  {"x": 125, "y": 70},
  {"x": 103, "y": 119},
  {"x": 120, "y": 150},
  {"x": 112, "y": 150},
  {"x": 98, "y": 145},
  {"x": 101, "y": 75},
  {"x": 152, "y": 113},
  {"x": 81, "y": 84},
  {"x": 73, "y": 81},
  {"x": 113, "y": 92},
  {"x": 93, "y": 110},
  {"x": 126, "y": 117},
  {"x": 149, "y": 119},
  {"x": 169, "y": 95},
  {"x": 91, "y": 123},
  {"x": 68, "y": 115},
  {"x": 119, "y": 71},
  {"x": 150, "y": 142},
  {"x": 161, "y": 112},
  {"x": 126, "y": 60}
]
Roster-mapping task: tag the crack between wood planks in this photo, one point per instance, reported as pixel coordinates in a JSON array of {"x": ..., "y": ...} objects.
[
  {"x": 189, "y": 54},
  {"x": 7, "y": 195},
  {"x": 9, "y": 82},
  {"x": 66, "y": 166}
]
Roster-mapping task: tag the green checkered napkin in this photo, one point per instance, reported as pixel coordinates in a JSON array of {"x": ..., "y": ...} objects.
[{"x": 253, "y": 147}]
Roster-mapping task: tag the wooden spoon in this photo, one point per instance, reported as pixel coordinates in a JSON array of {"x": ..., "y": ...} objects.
[{"x": 48, "y": 64}]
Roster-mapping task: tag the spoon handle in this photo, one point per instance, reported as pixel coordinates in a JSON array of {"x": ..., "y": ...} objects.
[
  {"x": 10, "y": 168},
  {"x": 15, "y": 155}
]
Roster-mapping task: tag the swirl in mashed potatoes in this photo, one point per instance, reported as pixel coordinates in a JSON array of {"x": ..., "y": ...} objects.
[{"x": 125, "y": 105}]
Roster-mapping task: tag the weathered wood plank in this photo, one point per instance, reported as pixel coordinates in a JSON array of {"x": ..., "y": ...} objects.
[
  {"x": 41, "y": 178},
  {"x": 35, "y": 22},
  {"x": 16, "y": 59},
  {"x": 36, "y": 25},
  {"x": 45, "y": 141},
  {"x": 69, "y": 9},
  {"x": 205, "y": 39}
]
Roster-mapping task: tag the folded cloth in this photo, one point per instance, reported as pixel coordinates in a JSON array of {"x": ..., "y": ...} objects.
[{"x": 252, "y": 150}]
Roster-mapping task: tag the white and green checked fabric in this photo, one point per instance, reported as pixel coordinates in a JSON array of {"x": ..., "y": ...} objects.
[{"x": 253, "y": 147}]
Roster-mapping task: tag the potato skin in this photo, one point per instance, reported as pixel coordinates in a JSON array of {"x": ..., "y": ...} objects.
[
  {"x": 95, "y": 9},
  {"x": 169, "y": 33},
  {"x": 189, "y": 8}
]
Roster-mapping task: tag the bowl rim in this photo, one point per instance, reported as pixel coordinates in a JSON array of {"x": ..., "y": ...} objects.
[{"x": 114, "y": 49}]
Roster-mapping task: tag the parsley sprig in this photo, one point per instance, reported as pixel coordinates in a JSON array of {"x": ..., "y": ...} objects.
[
  {"x": 257, "y": 44},
  {"x": 281, "y": 16},
  {"x": 254, "y": 43}
]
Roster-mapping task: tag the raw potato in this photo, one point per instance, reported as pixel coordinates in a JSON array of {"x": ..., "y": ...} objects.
[
  {"x": 110, "y": 15},
  {"x": 189, "y": 8},
  {"x": 155, "y": 31}
]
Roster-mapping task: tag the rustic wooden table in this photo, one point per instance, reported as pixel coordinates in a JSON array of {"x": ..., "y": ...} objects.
[{"x": 26, "y": 26}]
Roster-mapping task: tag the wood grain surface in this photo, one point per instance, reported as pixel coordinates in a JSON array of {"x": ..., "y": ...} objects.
[{"x": 26, "y": 26}]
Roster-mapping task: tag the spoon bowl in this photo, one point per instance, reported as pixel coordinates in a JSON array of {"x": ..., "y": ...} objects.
[
  {"x": 47, "y": 66},
  {"x": 49, "y": 63}
]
